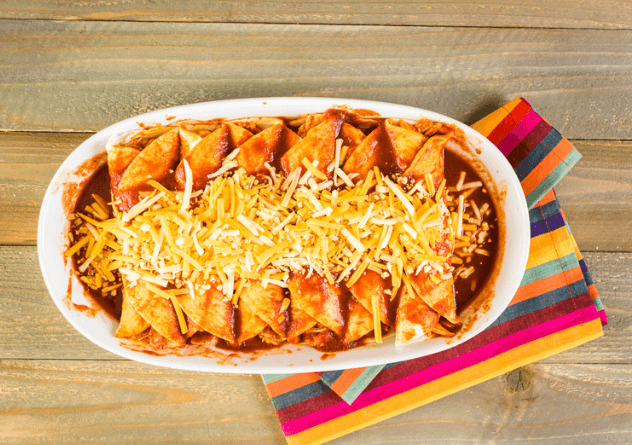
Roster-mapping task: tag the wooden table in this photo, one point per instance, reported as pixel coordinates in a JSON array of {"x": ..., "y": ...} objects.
[{"x": 68, "y": 69}]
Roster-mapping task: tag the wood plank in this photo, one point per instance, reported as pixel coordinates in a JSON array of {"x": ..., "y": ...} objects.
[
  {"x": 83, "y": 76},
  {"x": 594, "y": 194},
  {"x": 28, "y": 162},
  {"x": 611, "y": 273},
  {"x": 531, "y": 13},
  {"x": 61, "y": 401},
  {"x": 31, "y": 327}
]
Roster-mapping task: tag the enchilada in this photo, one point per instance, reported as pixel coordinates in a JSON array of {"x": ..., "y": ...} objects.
[{"x": 328, "y": 230}]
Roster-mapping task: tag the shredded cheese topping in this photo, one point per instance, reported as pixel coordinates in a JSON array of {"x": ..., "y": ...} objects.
[
  {"x": 188, "y": 188},
  {"x": 240, "y": 228}
]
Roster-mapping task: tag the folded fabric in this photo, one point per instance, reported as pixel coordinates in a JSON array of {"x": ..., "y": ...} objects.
[
  {"x": 556, "y": 308},
  {"x": 539, "y": 154},
  {"x": 349, "y": 383}
]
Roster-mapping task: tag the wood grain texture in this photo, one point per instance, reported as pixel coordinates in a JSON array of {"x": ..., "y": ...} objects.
[
  {"x": 595, "y": 194},
  {"x": 126, "y": 402},
  {"x": 611, "y": 273},
  {"x": 31, "y": 326},
  {"x": 27, "y": 165},
  {"x": 49, "y": 402},
  {"x": 532, "y": 13},
  {"x": 83, "y": 76}
]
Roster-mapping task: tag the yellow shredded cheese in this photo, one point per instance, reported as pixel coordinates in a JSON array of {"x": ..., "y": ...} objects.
[
  {"x": 240, "y": 228},
  {"x": 429, "y": 183},
  {"x": 176, "y": 306},
  {"x": 377, "y": 326},
  {"x": 313, "y": 170},
  {"x": 77, "y": 246},
  {"x": 459, "y": 218},
  {"x": 440, "y": 190}
]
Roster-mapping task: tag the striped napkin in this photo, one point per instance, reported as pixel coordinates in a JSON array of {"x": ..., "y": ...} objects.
[{"x": 555, "y": 308}]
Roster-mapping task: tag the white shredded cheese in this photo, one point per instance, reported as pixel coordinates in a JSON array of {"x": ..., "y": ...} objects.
[
  {"x": 291, "y": 188},
  {"x": 412, "y": 232},
  {"x": 232, "y": 155},
  {"x": 387, "y": 238},
  {"x": 223, "y": 169},
  {"x": 249, "y": 224},
  {"x": 188, "y": 187},
  {"x": 401, "y": 195},
  {"x": 272, "y": 171},
  {"x": 353, "y": 240},
  {"x": 142, "y": 206},
  {"x": 337, "y": 160},
  {"x": 343, "y": 176},
  {"x": 366, "y": 217}
]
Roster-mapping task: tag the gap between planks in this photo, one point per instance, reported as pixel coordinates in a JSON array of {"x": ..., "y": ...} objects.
[
  {"x": 562, "y": 14},
  {"x": 384, "y": 25}
]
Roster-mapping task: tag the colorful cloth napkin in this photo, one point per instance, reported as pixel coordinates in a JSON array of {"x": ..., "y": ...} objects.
[{"x": 556, "y": 308}]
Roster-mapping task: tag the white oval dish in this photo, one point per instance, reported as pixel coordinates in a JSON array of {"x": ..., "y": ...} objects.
[{"x": 100, "y": 328}]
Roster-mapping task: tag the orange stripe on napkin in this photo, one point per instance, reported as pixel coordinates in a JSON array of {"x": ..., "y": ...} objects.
[
  {"x": 537, "y": 288},
  {"x": 546, "y": 166},
  {"x": 291, "y": 383},
  {"x": 346, "y": 380}
]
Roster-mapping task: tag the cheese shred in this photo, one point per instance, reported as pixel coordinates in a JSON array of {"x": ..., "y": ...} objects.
[
  {"x": 241, "y": 228},
  {"x": 377, "y": 325},
  {"x": 176, "y": 305},
  {"x": 188, "y": 188}
]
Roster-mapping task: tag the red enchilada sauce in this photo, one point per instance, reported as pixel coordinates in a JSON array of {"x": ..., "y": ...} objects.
[
  {"x": 325, "y": 340},
  {"x": 98, "y": 185},
  {"x": 466, "y": 288}
]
